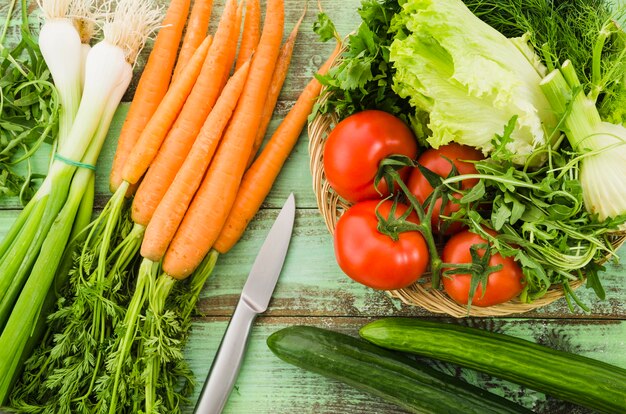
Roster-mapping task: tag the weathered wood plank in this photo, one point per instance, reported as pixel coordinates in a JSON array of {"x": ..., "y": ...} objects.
[
  {"x": 268, "y": 385},
  {"x": 312, "y": 283}
]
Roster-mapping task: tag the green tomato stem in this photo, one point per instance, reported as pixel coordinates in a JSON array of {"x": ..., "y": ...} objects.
[{"x": 424, "y": 226}]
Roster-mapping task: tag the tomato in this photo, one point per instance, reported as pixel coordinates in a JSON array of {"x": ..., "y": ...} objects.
[
  {"x": 373, "y": 258},
  {"x": 355, "y": 148},
  {"x": 435, "y": 160},
  {"x": 502, "y": 285}
]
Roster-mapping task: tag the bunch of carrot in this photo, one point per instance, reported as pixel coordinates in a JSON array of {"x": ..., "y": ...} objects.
[{"x": 186, "y": 164}]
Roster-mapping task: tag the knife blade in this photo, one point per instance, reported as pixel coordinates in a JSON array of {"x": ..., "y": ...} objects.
[{"x": 254, "y": 299}]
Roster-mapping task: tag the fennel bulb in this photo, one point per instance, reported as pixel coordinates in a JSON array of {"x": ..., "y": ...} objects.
[
  {"x": 601, "y": 145},
  {"x": 603, "y": 171},
  {"x": 469, "y": 78}
]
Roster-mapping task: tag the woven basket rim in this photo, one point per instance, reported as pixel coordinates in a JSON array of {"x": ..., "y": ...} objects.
[{"x": 331, "y": 206}]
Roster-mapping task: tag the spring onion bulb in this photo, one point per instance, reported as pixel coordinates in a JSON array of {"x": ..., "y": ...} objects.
[
  {"x": 60, "y": 45},
  {"x": 85, "y": 25},
  {"x": 601, "y": 145}
]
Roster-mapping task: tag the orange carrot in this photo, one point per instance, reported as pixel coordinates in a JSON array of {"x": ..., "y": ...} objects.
[
  {"x": 251, "y": 32},
  {"x": 179, "y": 140},
  {"x": 258, "y": 180},
  {"x": 208, "y": 211},
  {"x": 197, "y": 27},
  {"x": 152, "y": 86},
  {"x": 197, "y": 106},
  {"x": 280, "y": 73},
  {"x": 175, "y": 202},
  {"x": 232, "y": 53},
  {"x": 169, "y": 107}
]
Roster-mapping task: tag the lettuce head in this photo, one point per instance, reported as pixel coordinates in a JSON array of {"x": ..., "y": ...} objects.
[{"x": 472, "y": 80}]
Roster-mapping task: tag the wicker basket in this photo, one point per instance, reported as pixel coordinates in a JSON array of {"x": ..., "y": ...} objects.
[{"x": 420, "y": 293}]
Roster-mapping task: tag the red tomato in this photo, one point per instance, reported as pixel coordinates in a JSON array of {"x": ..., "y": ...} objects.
[
  {"x": 502, "y": 285},
  {"x": 434, "y": 160},
  {"x": 375, "y": 259},
  {"x": 357, "y": 145}
]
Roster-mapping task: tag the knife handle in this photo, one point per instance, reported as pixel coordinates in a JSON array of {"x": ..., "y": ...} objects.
[{"x": 225, "y": 367}]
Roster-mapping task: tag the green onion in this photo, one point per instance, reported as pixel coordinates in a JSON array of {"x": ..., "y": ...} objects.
[{"x": 31, "y": 258}]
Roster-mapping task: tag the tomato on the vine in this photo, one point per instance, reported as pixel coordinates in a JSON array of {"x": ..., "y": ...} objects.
[
  {"x": 375, "y": 259},
  {"x": 502, "y": 285},
  {"x": 438, "y": 161},
  {"x": 355, "y": 148}
]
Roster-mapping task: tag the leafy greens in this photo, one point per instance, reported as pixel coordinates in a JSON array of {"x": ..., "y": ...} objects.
[
  {"x": 469, "y": 78},
  {"x": 29, "y": 107}
]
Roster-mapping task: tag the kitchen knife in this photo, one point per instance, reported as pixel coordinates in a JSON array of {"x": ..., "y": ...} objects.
[{"x": 254, "y": 299}]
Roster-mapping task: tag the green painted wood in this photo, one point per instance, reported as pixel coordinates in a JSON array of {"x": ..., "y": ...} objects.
[{"x": 269, "y": 385}]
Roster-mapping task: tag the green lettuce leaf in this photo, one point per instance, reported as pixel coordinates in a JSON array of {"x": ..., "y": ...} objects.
[{"x": 469, "y": 78}]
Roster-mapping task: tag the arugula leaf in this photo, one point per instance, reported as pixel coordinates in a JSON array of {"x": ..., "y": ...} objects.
[{"x": 29, "y": 107}]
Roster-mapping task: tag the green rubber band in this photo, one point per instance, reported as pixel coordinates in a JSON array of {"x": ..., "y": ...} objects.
[{"x": 74, "y": 163}]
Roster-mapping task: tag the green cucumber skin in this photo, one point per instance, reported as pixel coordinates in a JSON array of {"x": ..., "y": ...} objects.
[
  {"x": 581, "y": 380},
  {"x": 395, "y": 378}
]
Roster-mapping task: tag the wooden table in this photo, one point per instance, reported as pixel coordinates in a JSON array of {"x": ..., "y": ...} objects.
[{"x": 313, "y": 291}]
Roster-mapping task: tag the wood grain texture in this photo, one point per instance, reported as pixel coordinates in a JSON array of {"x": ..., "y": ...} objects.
[
  {"x": 313, "y": 291},
  {"x": 268, "y": 385}
]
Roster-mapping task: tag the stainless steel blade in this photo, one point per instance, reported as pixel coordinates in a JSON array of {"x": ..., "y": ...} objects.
[
  {"x": 263, "y": 276},
  {"x": 254, "y": 300}
]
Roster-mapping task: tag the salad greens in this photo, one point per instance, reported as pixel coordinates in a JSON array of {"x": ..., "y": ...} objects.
[
  {"x": 469, "y": 78},
  {"x": 364, "y": 77}
]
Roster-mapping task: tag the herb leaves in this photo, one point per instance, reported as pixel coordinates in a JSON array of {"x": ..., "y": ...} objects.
[{"x": 363, "y": 79}]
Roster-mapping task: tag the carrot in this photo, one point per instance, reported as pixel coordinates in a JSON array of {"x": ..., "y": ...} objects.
[
  {"x": 166, "y": 112},
  {"x": 232, "y": 53},
  {"x": 278, "y": 78},
  {"x": 175, "y": 202},
  {"x": 197, "y": 27},
  {"x": 208, "y": 211},
  {"x": 258, "y": 180},
  {"x": 152, "y": 86},
  {"x": 251, "y": 32},
  {"x": 188, "y": 123}
]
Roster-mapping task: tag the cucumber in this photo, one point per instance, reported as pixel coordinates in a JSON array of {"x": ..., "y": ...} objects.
[
  {"x": 395, "y": 378},
  {"x": 585, "y": 381}
]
